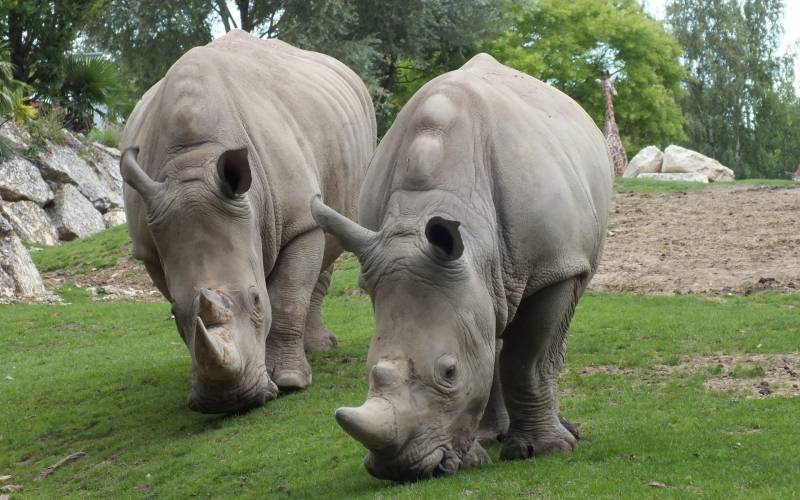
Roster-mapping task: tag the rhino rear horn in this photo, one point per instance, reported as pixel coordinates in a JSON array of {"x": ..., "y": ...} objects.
[
  {"x": 350, "y": 235},
  {"x": 136, "y": 177}
]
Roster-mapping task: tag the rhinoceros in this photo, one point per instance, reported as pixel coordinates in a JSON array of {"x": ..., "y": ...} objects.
[
  {"x": 220, "y": 158},
  {"x": 482, "y": 217}
]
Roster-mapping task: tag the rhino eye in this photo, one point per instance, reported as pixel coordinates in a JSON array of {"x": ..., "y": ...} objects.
[{"x": 446, "y": 371}]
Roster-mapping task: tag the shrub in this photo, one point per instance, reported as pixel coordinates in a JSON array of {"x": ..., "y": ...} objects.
[{"x": 110, "y": 136}]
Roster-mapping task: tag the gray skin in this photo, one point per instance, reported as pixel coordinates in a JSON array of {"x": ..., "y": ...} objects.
[
  {"x": 220, "y": 158},
  {"x": 483, "y": 217}
]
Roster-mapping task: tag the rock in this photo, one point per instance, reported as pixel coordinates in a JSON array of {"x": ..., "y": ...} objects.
[
  {"x": 18, "y": 275},
  {"x": 73, "y": 215},
  {"x": 16, "y": 134},
  {"x": 21, "y": 180},
  {"x": 646, "y": 161},
  {"x": 682, "y": 160},
  {"x": 107, "y": 168},
  {"x": 60, "y": 164},
  {"x": 690, "y": 177},
  {"x": 114, "y": 218},
  {"x": 30, "y": 222},
  {"x": 108, "y": 150},
  {"x": 5, "y": 226}
]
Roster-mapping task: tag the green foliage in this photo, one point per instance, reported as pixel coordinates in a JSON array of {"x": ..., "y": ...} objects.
[
  {"x": 13, "y": 93},
  {"x": 89, "y": 82},
  {"x": 48, "y": 126},
  {"x": 117, "y": 375},
  {"x": 98, "y": 251},
  {"x": 571, "y": 44},
  {"x": 741, "y": 105},
  {"x": 110, "y": 136},
  {"x": 7, "y": 149}
]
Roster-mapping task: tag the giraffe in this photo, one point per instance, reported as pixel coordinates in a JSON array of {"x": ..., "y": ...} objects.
[
  {"x": 796, "y": 175},
  {"x": 618, "y": 157}
]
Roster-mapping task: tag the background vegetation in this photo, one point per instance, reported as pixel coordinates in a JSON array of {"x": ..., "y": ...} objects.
[{"x": 710, "y": 77}]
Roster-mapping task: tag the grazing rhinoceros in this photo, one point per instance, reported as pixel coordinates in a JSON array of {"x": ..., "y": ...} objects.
[
  {"x": 222, "y": 156},
  {"x": 483, "y": 217}
]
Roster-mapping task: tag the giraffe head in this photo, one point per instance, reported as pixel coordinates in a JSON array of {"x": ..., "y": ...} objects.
[{"x": 607, "y": 83}]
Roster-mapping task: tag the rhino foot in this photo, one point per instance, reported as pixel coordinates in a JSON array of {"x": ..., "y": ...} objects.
[
  {"x": 516, "y": 447},
  {"x": 292, "y": 380},
  {"x": 573, "y": 429},
  {"x": 319, "y": 340}
]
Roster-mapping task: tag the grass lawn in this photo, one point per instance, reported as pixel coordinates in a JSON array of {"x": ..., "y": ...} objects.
[
  {"x": 623, "y": 185},
  {"x": 110, "y": 379}
]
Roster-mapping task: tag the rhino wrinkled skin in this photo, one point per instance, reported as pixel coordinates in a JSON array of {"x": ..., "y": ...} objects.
[
  {"x": 483, "y": 217},
  {"x": 220, "y": 159}
]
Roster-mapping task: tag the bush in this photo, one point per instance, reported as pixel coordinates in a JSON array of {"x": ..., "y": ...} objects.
[
  {"x": 110, "y": 136},
  {"x": 48, "y": 126}
]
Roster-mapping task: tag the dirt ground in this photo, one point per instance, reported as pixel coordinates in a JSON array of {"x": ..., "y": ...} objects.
[
  {"x": 712, "y": 241},
  {"x": 717, "y": 240}
]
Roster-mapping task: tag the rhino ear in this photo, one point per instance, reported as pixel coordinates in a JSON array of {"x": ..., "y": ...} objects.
[
  {"x": 443, "y": 234},
  {"x": 234, "y": 173}
]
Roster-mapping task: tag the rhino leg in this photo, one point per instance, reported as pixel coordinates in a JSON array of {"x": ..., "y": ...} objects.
[
  {"x": 494, "y": 423},
  {"x": 533, "y": 353},
  {"x": 290, "y": 287},
  {"x": 317, "y": 338}
]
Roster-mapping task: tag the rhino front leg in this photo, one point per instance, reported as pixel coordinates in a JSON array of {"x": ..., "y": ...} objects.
[
  {"x": 494, "y": 423},
  {"x": 290, "y": 287},
  {"x": 318, "y": 338},
  {"x": 533, "y": 353}
]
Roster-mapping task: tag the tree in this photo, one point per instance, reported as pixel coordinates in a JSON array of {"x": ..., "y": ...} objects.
[
  {"x": 741, "y": 105},
  {"x": 39, "y": 33},
  {"x": 89, "y": 83},
  {"x": 571, "y": 44}
]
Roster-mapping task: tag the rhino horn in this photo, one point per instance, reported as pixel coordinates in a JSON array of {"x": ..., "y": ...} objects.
[
  {"x": 351, "y": 236},
  {"x": 373, "y": 424},
  {"x": 136, "y": 177},
  {"x": 212, "y": 309},
  {"x": 216, "y": 358}
]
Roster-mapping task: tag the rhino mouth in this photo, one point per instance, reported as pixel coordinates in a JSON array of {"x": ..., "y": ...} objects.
[
  {"x": 236, "y": 399},
  {"x": 441, "y": 461}
]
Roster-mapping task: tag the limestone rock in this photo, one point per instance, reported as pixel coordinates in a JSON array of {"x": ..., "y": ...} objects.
[
  {"x": 681, "y": 160},
  {"x": 60, "y": 164},
  {"x": 30, "y": 222},
  {"x": 18, "y": 276},
  {"x": 16, "y": 134},
  {"x": 687, "y": 177},
  {"x": 21, "y": 180},
  {"x": 73, "y": 215},
  {"x": 107, "y": 168},
  {"x": 648, "y": 160},
  {"x": 108, "y": 150},
  {"x": 114, "y": 218}
]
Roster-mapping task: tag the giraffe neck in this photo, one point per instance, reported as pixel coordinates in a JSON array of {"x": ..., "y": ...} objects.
[{"x": 611, "y": 122}]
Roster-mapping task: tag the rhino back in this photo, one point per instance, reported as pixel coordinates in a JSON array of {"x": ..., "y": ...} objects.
[
  {"x": 306, "y": 118},
  {"x": 519, "y": 163}
]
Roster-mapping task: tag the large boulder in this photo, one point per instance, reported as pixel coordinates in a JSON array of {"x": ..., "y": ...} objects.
[
  {"x": 21, "y": 180},
  {"x": 61, "y": 165},
  {"x": 30, "y": 222},
  {"x": 106, "y": 166},
  {"x": 73, "y": 215},
  {"x": 18, "y": 275},
  {"x": 114, "y": 218},
  {"x": 648, "y": 160},
  {"x": 16, "y": 135},
  {"x": 688, "y": 177},
  {"x": 678, "y": 160}
]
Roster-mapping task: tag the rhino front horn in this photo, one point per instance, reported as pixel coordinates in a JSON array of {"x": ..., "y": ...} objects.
[
  {"x": 373, "y": 424},
  {"x": 217, "y": 359}
]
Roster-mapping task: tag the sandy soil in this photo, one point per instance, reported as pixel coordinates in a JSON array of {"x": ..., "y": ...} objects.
[
  {"x": 735, "y": 240},
  {"x": 738, "y": 240}
]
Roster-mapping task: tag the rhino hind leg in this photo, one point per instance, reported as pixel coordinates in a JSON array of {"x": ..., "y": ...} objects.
[
  {"x": 533, "y": 353},
  {"x": 290, "y": 287},
  {"x": 317, "y": 338},
  {"x": 494, "y": 423}
]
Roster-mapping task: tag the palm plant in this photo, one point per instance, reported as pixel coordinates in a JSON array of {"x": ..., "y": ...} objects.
[
  {"x": 13, "y": 94},
  {"x": 90, "y": 86}
]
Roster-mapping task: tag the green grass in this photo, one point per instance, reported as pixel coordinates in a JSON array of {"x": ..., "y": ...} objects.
[
  {"x": 110, "y": 379},
  {"x": 98, "y": 251},
  {"x": 623, "y": 185}
]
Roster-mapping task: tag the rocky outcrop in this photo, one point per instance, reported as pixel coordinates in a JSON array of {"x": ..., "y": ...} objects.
[
  {"x": 687, "y": 165},
  {"x": 30, "y": 222},
  {"x": 648, "y": 160},
  {"x": 691, "y": 177},
  {"x": 114, "y": 218},
  {"x": 60, "y": 164},
  {"x": 73, "y": 215},
  {"x": 18, "y": 275},
  {"x": 678, "y": 160},
  {"x": 21, "y": 180}
]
